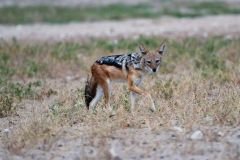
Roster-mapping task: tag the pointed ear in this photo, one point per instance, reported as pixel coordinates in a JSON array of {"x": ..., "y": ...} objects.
[
  {"x": 162, "y": 48},
  {"x": 142, "y": 49}
]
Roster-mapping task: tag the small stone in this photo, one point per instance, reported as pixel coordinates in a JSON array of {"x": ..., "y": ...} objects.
[
  {"x": 173, "y": 135},
  {"x": 7, "y": 130},
  {"x": 178, "y": 129},
  {"x": 117, "y": 158},
  {"x": 60, "y": 145},
  {"x": 91, "y": 151},
  {"x": 197, "y": 135},
  {"x": 209, "y": 119},
  {"x": 220, "y": 134},
  {"x": 144, "y": 143}
]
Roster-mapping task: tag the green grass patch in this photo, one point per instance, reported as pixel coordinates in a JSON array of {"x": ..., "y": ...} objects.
[
  {"x": 54, "y": 14},
  {"x": 11, "y": 92},
  {"x": 31, "y": 14},
  {"x": 196, "y": 9},
  {"x": 18, "y": 90},
  {"x": 65, "y": 51},
  {"x": 4, "y": 65},
  {"x": 214, "y": 8}
]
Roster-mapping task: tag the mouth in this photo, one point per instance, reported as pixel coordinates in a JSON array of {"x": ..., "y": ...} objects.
[{"x": 151, "y": 72}]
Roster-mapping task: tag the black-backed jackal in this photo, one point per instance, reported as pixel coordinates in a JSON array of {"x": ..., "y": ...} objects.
[{"x": 130, "y": 68}]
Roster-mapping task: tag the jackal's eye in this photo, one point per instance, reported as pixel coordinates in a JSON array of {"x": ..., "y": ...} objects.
[
  {"x": 149, "y": 62},
  {"x": 157, "y": 61}
]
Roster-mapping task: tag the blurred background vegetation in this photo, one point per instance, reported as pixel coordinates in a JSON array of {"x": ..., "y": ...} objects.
[{"x": 62, "y": 14}]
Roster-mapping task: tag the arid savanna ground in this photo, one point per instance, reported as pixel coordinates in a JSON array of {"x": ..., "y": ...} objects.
[{"x": 47, "y": 48}]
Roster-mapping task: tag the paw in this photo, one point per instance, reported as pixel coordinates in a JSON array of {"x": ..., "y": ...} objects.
[
  {"x": 153, "y": 109},
  {"x": 112, "y": 113},
  {"x": 133, "y": 113},
  {"x": 146, "y": 94},
  {"x": 110, "y": 109}
]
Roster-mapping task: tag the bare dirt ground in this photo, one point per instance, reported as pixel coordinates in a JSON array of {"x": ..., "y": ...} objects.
[{"x": 228, "y": 25}]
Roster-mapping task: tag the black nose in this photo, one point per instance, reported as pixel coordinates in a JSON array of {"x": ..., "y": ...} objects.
[{"x": 154, "y": 69}]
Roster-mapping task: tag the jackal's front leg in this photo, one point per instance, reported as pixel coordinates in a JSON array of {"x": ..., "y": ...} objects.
[
  {"x": 153, "y": 108},
  {"x": 136, "y": 90}
]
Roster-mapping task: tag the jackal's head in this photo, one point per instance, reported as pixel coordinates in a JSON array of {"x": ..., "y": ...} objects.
[{"x": 151, "y": 59}]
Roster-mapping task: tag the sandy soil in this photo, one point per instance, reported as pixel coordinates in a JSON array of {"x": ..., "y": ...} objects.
[
  {"x": 144, "y": 144},
  {"x": 228, "y": 25}
]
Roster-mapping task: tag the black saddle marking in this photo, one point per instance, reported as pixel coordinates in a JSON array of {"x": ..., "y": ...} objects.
[{"x": 114, "y": 60}]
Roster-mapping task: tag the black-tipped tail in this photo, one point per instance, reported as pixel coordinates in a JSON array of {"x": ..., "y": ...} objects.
[{"x": 90, "y": 91}]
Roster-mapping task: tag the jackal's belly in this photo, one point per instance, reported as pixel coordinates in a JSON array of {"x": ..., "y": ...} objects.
[
  {"x": 108, "y": 72},
  {"x": 115, "y": 74}
]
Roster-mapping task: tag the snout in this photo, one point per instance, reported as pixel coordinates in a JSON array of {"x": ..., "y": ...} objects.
[{"x": 154, "y": 70}]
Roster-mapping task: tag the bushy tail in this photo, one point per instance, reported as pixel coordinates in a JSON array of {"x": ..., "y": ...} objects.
[{"x": 90, "y": 90}]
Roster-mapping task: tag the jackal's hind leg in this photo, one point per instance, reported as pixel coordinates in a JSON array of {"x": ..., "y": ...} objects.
[
  {"x": 133, "y": 100},
  {"x": 106, "y": 90},
  {"x": 99, "y": 93}
]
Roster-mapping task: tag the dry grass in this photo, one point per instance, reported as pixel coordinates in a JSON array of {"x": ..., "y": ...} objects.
[
  {"x": 193, "y": 90},
  {"x": 189, "y": 101}
]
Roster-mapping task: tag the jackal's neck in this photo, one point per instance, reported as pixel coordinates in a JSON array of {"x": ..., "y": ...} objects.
[{"x": 142, "y": 64}]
